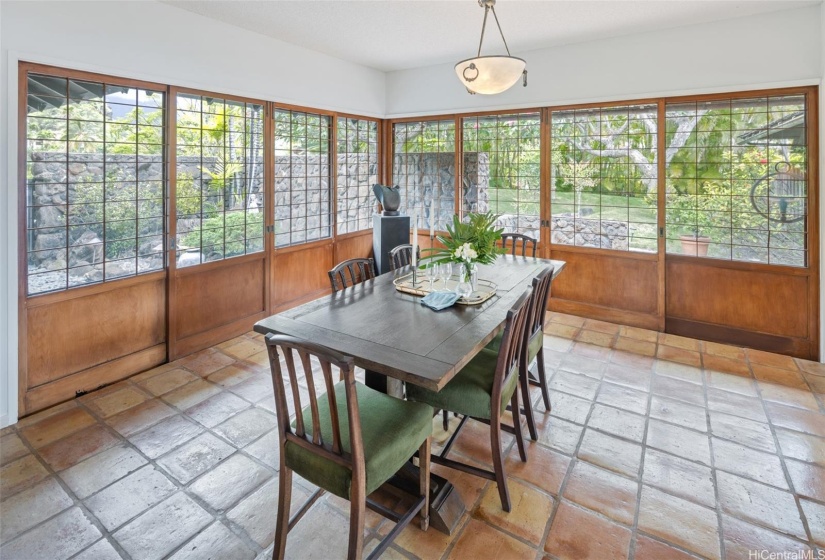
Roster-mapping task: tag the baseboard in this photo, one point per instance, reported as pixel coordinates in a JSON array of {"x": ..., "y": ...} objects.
[{"x": 4, "y": 420}]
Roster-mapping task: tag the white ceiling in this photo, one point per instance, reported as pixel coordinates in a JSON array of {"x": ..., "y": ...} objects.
[{"x": 398, "y": 34}]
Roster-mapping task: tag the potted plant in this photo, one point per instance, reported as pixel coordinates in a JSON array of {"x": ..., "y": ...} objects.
[
  {"x": 474, "y": 240},
  {"x": 682, "y": 212}
]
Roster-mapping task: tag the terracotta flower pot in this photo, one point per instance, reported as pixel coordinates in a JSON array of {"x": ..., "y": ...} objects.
[{"x": 695, "y": 245}]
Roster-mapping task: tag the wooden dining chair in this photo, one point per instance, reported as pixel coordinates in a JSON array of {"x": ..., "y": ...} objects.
[
  {"x": 348, "y": 441},
  {"x": 401, "y": 256},
  {"x": 534, "y": 348},
  {"x": 482, "y": 390},
  {"x": 516, "y": 240},
  {"x": 351, "y": 272}
]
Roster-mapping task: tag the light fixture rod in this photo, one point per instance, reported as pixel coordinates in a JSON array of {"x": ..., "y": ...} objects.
[
  {"x": 483, "y": 27},
  {"x": 499, "y": 30}
]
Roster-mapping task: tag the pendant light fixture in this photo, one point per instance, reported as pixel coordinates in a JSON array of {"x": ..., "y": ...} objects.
[{"x": 489, "y": 75}]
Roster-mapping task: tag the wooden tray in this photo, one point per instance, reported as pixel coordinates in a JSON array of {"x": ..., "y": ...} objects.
[{"x": 484, "y": 288}]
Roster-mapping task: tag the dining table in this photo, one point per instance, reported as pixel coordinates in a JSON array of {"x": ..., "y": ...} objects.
[{"x": 397, "y": 340}]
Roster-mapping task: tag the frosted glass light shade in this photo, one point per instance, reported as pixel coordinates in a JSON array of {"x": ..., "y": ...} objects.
[{"x": 489, "y": 75}]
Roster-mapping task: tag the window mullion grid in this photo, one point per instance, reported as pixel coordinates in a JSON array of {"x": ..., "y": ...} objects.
[
  {"x": 200, "y": 160},
  {"x": 137, "y": 184},
  {"x": 105, "y": 186},
  {"x": 68, "y": 143}
]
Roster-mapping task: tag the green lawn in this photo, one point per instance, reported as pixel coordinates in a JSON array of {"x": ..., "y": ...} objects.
[{"x": 609, "y": 207}]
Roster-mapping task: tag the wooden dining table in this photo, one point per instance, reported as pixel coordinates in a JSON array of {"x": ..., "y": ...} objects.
[{"x": 398, "y": 340}]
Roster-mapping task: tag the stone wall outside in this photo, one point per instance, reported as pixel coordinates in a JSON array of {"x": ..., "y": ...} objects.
[{"x": 424, "y": 176}]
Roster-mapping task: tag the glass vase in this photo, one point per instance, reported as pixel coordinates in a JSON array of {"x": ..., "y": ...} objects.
[{"x": 466, "y": 274}]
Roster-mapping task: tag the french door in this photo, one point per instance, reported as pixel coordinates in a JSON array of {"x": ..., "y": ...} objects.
[
  {"x": 218, "y": 262},
  {"x": 92, "y": 285},
  {"x": 742, "y": 249},
  {"x": 691, "y": 216},
  {"x": 156, "y": 221}
]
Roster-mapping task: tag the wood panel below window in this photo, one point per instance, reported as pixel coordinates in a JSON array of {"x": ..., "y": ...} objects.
[
  {"x": 615, "y": 286},
  {"x": 216, "y": 301},
  {"x": 758, "y": 306},
  {"x": 79, "y": 340}
]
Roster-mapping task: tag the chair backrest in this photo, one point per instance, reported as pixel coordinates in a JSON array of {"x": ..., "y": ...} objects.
[
  {"x": 401, "y": 256},
  {"x": 298, "y": 355},
  {"x": 538, "y": 303},
  {"x": 512, "y": 347},
  {"x": 351, "y": 272},
  {"x": 518, "y": 239}
]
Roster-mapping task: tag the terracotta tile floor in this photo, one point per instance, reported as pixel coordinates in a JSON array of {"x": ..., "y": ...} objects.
[{"x": 657, "y": 447}]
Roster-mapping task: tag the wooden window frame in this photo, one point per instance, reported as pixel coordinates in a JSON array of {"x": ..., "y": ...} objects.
[
  {"x": 389, "y": 151},
  {"x": 378, "y": 162},
  {"x": 173, "y": 157},
  {"x": 24, "y": 69}
]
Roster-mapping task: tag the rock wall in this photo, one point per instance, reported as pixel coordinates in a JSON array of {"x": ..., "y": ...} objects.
[
  {"x": 431, "y": 176},
  {"x": 568, "y": 229},
  {"x": 59, "y": 239},
  {"x": 526, "y": 224}
]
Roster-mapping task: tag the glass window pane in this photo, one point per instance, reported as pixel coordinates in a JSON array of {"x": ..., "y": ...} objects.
[
  {"x": 740, "y": 184},
  {"x": 357, "y": 169},
  {"x": 424, "y": 168},
  {"x": 82, "y": 192},
  {"x": 302, "y": 177},
  {"x": 604, "y": 177},
  {"x": 219, "y": 177}
]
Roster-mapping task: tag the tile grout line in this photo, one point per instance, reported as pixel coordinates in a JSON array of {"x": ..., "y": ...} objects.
[
  {"x": 631, "y": 553},
  {"x": 216, "y": 517},
  {"x": 713, "y": 470},
  {"x": 570, "y": 467},
  {"x": 81, "y": 504},
  {"x": 785, "y": 471}
]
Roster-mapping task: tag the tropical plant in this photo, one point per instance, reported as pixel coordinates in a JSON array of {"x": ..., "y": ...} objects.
[
  {"x": 226, "y": 235},
  {"x": 476, "y": 234}
]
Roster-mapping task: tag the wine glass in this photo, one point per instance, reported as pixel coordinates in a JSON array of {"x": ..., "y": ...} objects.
[{"x": 445, "y": 271}]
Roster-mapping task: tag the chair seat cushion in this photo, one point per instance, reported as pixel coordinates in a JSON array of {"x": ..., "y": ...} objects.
[
  {"x": 392, "y": 430},
  {"x": 533, "y": 346},
  {"x": 470, "y": 391}
]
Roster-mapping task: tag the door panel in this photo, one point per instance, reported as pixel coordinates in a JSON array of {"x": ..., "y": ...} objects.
[
  {"x": 610, "y": 286},
  {"x": 742, "y": 248},
  {"x": 85, "y": 341},
  {"x": 300, "y": 274},
  {"x": 207, "y": 299},
  {"x": 218, "y": 265},
  {"x": 92, "y": 287},
  {"x": 759, "y": 301}
]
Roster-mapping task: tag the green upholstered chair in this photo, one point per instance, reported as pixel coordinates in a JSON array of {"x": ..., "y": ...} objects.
[
  {"x": 482, "y": 390},
  {"x": 348, "y": 441},
  {"x": 534, "y": 339}
]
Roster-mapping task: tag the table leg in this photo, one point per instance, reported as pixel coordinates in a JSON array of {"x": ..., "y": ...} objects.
[
  {"x": 446, "y": 505},
  {"x": 377, "y": 381}
]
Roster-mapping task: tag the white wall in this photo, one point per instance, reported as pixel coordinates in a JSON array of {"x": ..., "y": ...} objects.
[
  {"x": 775, "y": 49},
  {"x": 156, "y": 42}
]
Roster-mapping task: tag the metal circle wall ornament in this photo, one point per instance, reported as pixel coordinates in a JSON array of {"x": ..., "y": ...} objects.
[
  {"x": 472, "y": 66},
  {"x": 781, "y": 195}
]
